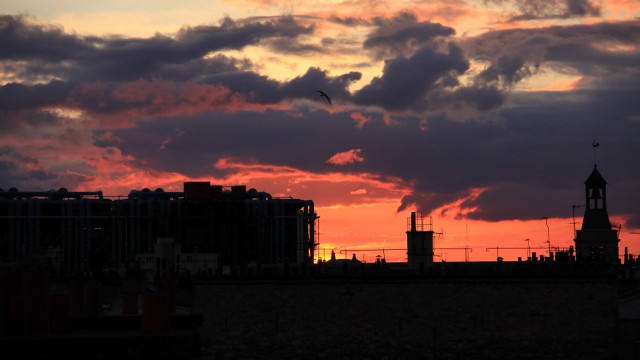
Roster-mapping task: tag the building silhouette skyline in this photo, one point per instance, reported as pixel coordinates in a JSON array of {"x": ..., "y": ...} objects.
[
  {"x": 207, "y": 283},
  {"x": 213, "y": 229}
]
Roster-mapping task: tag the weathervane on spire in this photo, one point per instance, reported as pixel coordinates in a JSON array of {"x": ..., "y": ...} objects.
[{"x": 595, "y": 145}]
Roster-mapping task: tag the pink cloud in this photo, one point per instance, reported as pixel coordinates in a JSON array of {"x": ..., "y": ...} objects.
[
  {"x": 346, "y": 157},
  {"x": 147, "y": 99},
  {"x": 326, "y": 189},
  {"x": 359, "y": 119}
]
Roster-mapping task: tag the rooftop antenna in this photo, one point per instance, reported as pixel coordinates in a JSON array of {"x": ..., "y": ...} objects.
[
  {"x": 595, "y": 145},
  {"x": 546, "y": 221},
  {"x": 573, "y": 212}
]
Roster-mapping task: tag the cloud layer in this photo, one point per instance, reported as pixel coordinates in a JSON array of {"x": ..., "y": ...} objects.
[{"x": 440, "y": 122}]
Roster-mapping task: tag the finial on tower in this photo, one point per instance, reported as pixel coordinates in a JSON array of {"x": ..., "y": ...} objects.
[{"x": 595, "y": 145}]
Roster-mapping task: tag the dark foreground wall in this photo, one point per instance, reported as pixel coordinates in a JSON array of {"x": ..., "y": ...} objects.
[{"x": 409, "y": 319}]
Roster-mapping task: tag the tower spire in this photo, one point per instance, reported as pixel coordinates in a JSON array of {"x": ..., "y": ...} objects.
[{"x": 596, "y": 241}]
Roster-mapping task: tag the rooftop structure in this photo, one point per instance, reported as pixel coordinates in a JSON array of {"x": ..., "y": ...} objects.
[
  {"x": 597, "y": 241},
  {"x": 82, "y": 232}
]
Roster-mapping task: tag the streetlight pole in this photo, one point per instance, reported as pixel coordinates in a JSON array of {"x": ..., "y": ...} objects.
[{"x": 528, "y": 248}]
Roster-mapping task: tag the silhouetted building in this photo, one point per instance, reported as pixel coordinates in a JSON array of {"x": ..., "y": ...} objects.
[
  {"x": 82, "y": 232},
  {"x": 596, "y": 241},
  {"x": 419, "y": 244},
  {"x": 72, "y": 229}
]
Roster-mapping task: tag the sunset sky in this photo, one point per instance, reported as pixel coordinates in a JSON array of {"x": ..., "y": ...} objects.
[{"x": 479, "y": 114}]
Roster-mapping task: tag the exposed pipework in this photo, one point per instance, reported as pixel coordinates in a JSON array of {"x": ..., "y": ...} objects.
[
  {"x": 254, "y": 194},
  {"x": 259, "y": 195},
  {"x": 62, "y": 193},
  {"x": 312, "y": 229},
  {"x": 250, "y": 194},
  {"x": 306, "y": 234},
  {"x": 413, "y": 222},
  {"x": 157, "y": 194}
]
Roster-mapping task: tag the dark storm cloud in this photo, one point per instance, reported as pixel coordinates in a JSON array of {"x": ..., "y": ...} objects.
[
  {"x": 13, "y": 170},
  {"x": 516, "y": 54},
  {"x": 237, "y": 34},
  {"x": 536, "y": 164},
  {"x": 510, "y": 69},
  {"x": 101, "y": 67},
  {"x": 316, "y": 79},
  {"x": 533, "y": 164},
  {"x": 15, "y": 97},
  {"x": 526, "y": 177},
  {"x": 484, "y": 98},
  {"x": 118, "y": 58},
  {"x": 260, "y": 89},
  {"x": 197, "y": 69},
  {"x": 422, "y": 70},
  {"x": 18, "y": 121},
  {"x": 150, "y": 98},
  {"x": 130, "y": 59},
  {"x": 407, "y": 81},
  {"x": 21, "y": 40},
  {"x": 264, "y": 90},
  {"x": 272, "y": 138},
  {"x": 537, "y": 157},
  {"x": 550, "y": 9},
  {"x": 286, "y": 46},
  {"x": 402, "y": 34}
]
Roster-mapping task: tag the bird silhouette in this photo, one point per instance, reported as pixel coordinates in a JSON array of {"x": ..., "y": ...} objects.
[{"x": 324, "y": 95}]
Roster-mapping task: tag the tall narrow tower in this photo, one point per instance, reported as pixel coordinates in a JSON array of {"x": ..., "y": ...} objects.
[
  {"x": 596, "y": 241},
  {"x": 419, "y": 244}
]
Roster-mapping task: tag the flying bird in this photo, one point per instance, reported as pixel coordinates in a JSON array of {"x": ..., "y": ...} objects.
[{"x": 324, "y": 95}]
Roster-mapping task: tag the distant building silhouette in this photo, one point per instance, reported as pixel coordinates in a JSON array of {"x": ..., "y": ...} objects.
[
  {"x": 419, "y": 244},
  {"x": 211, "y": 226},
  {"x": 597, "y": 241}
]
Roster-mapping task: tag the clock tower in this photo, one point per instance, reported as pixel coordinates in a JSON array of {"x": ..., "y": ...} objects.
[{"x": 596, "y": 241}]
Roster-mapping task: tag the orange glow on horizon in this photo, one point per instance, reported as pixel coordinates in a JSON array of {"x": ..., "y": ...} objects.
[
  {"x": 367, "y": 230},
  {"x": 358, "y": 215}
]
